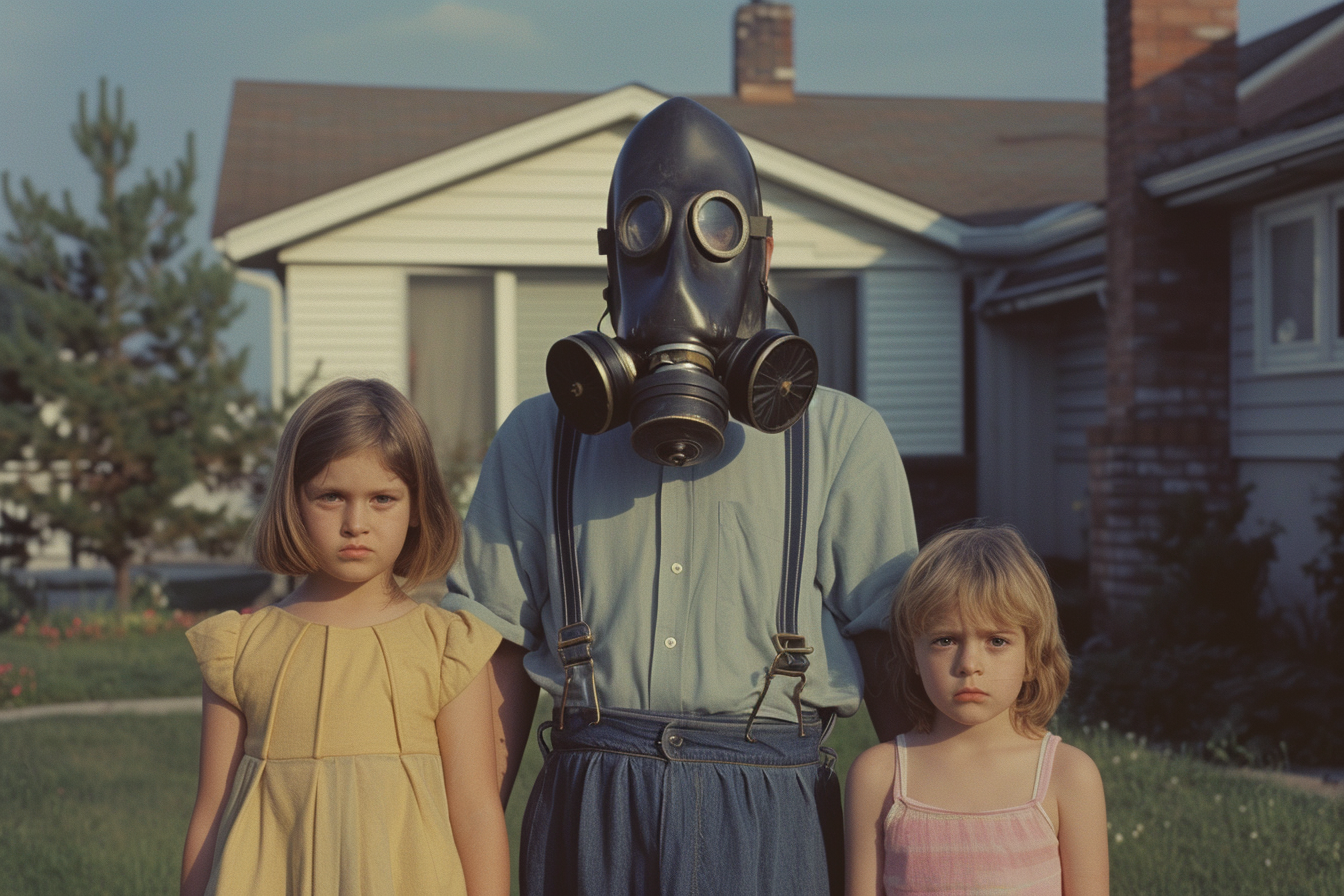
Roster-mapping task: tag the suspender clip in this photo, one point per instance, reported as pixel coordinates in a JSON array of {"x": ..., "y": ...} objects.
[
  {"x": 575, "y": 646},
  {"x": 791, "y": 661}
]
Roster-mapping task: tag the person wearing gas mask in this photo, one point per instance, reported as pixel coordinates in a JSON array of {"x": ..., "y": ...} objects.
[{"x": 692, "y": 547}]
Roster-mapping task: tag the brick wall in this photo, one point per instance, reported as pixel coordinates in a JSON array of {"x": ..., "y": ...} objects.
[
  {"x": 1171, "y": 82},
  {"x": 763, "y": 53}
]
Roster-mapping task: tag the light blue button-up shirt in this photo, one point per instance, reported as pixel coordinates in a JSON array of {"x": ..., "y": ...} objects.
[{"x": 680, "y": 567}]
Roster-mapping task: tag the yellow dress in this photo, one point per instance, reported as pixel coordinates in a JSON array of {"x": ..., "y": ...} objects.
[{"x": 340, "y": 788}]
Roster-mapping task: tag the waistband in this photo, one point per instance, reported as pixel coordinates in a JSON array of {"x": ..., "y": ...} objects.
[{"x": 693, "y": 738}]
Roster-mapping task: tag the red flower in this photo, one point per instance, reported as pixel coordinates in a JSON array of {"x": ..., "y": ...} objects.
[
  {"x": 4, "y": 670},
  {"x": 16, "y": 690}
]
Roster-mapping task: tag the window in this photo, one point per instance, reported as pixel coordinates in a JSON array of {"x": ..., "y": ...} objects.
[{"x": 1299, "y": 283}]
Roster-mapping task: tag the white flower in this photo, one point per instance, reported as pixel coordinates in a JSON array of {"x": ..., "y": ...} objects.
[{"x": 1119, "y": 838}]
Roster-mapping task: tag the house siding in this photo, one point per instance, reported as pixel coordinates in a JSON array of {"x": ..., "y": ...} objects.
[
  {"x": 1285, "y": 430},
  {"x": 541, "y": 211},
  {"x": 910, "y": 357},
  {"x": 551, "y": 306},
  {"x": 1279, "y": 416},
  {"x": 351, "y": 320},
  {"x": 1041, "y": 384}
]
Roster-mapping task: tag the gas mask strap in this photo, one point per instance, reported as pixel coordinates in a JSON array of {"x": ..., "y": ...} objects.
[
  {"x": 791, "y": 648},
  {"x": 575, "y": 638},
  {"x": 783, "y": 311}
]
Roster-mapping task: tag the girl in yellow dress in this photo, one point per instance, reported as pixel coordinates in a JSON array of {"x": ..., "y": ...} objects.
[{"x": 346, "y": 742}]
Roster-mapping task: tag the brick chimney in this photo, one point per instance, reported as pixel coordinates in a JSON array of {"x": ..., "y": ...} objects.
[
  {"x": 1171, "y": 81},
  {"x": 763, "y": 53}
]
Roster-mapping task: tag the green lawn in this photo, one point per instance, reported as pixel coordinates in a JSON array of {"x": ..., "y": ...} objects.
[
  {"x": 95, "y": 805},
  {"x": 105, "y": 668},
  {"x": 100, "y": 805}
]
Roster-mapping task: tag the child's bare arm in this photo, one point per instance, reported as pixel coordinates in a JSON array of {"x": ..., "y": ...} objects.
[
  {"x": 223, "y": 731},
  {"x": 467, "y": 748},
  {"x": 867, "y": 801},
  {"x": 1082, "y": 824}
]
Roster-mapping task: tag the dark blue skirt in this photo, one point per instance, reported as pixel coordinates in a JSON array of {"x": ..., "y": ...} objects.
[{"x": 651, "y": 803}]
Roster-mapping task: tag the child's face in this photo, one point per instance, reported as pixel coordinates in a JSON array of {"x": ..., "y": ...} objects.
[
  {"x": 971, "y": 670},
  {"x": 357, "y": 513}
]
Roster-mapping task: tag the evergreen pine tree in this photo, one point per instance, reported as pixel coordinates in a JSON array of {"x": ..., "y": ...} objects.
[{"x": 119, "y": 395}]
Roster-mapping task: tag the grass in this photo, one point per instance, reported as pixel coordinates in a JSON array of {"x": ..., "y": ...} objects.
[
  {"x": 98, "y": 663},
  {"x": 95, "y": 805},
  {"x": 100, "y": 805}
]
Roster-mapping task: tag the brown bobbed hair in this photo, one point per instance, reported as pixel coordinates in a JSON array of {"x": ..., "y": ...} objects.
[
  {"x": 343, "y": 418},
  {"x": 989, "y": 576}
]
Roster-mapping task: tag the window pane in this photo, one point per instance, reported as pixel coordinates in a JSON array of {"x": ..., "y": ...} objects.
[{"x": 1292, "y": 282}]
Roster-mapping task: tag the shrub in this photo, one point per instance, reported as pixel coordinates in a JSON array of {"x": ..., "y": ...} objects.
[
  {"x": 1327, "y": 569},
  {"x": 1209, "y": 671}
]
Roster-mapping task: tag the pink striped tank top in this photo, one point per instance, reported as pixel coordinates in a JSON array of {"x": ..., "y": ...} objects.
[{"x": 930, "y": 850}]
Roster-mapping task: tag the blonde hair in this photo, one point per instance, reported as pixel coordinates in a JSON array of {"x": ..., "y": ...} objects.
[
  {"x": 340, "y": 419},
  {"x": 987, "y": 574}
]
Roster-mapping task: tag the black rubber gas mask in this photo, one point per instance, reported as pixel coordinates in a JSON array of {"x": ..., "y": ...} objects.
[{"x": 686, "y": 290}]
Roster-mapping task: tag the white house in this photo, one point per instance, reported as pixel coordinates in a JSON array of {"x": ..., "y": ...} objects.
[
  {"x": 964, "y": 266},
  {"x": 445, "y": 239}
]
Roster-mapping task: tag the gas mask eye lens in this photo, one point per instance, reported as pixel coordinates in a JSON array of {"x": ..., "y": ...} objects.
[
  {"x": 644, "y": 223},
  {"x": 718, "y": 223}
]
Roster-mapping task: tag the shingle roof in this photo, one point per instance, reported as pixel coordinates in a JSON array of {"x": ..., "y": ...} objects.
[
  {"x": 291, "y": 142},
  {"x": 982, "y": 161},
  {"x": 1255, "y": 55}
]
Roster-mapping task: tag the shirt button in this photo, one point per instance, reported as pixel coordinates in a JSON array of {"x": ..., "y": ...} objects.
[
  {"x": 670, "y": 642},
  {"x": 676, "y": 568}
]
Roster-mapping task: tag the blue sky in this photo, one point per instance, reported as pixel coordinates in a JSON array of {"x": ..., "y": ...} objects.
[{"x": 177, "y": 60}]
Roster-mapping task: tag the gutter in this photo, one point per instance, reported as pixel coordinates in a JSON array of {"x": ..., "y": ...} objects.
[
  {"x": 279, "y": 335},
  {"x": 1236, "y": 168}
]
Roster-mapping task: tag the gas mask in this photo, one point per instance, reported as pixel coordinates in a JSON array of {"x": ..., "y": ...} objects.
[{"x": 686, "y": 253}]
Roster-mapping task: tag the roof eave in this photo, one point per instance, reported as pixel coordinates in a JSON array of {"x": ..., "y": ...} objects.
[
  {"x": 1220, "y": 175},
  {"x": 301, "y": 221}
]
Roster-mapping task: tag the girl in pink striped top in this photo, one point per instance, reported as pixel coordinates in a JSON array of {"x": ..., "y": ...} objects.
[{"x": 978, "y": 797}]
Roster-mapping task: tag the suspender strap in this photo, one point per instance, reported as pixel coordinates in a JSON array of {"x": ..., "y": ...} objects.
[
  {"x": 791, "y": 648},
  {"x": 575, "y": 640}
]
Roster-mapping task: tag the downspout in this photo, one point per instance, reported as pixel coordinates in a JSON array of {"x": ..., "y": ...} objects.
[{"x": 279, "y": 328}]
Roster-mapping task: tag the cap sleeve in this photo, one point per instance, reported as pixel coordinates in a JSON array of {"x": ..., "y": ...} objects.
[
  {"x": 215, "y": 643},
  {"x": 468, "y": 647}
]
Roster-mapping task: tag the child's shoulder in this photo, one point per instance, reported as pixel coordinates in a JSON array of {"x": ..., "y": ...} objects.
[
  {"x": 460, "y": 630},
  {"x": 1073, "y": 768},
  {"x": 877, "y": 762}
]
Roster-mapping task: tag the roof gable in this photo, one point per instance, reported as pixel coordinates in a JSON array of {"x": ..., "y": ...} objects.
[
  {"x": 1287, "y": 72},
  {"x": 1254, "y": 56},
  {"x": 287, "y": 143},
  {"x": 303, "y": 158}
]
